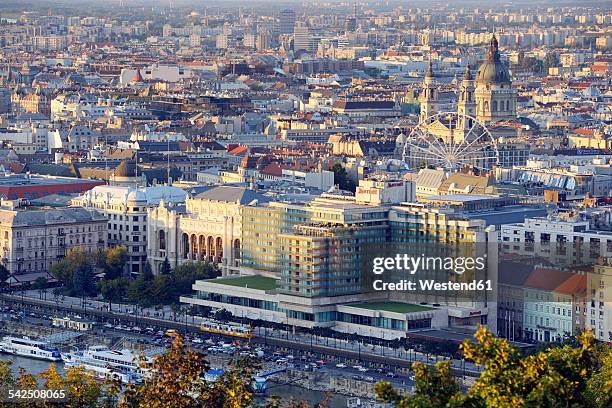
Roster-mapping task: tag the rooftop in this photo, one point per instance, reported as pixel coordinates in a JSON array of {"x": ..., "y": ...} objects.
[
  {"x": 396, "y": 307},
  {"x": 15, "y": 180},
  {"x": 252, "y": 282}
]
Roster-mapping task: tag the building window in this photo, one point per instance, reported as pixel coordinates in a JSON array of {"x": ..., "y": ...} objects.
[{"x": 162, "y": 240}]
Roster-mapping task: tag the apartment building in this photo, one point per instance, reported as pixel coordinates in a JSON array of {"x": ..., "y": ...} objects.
[
  {"x": 125, "y": 209},
  {"x": 559, "y": 239},
  {"x": 34, "y": 239}
]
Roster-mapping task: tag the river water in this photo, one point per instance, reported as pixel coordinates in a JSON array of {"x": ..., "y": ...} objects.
[{"x": 286, "y": 392}]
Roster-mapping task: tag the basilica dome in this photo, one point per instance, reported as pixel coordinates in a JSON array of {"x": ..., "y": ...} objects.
[{"x": 492, "y": 70}]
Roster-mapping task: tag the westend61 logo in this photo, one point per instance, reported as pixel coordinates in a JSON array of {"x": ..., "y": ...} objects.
[{"x": 413, "y": 265}]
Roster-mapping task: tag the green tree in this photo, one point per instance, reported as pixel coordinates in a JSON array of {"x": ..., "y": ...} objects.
[
  {"x": 139, "y": 292},
  {"x": 76, "y": 260},
  {"x": 185, "y": 275},
  {"x": 4, "y": 275},
  {"x": 147, "y": 271},
  {"x": 114, "y": 261},
  {"x": 433, "y": 388},
  {"x": 563, "y": 376},
  {"x": 40, "y": 284},
  {"x": 83, "y": 281},
  {"x": 341, "y": 178},
  {"x": 166, "y": 269},
  {"x": 114, "y": 290},
  {"x": 599, "y": 385}
]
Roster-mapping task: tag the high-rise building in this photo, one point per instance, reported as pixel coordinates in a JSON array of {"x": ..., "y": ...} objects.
[
  {"x": 302, "y": 39},
  {"x": 286, "y": 21},
  {"x": 310, "y": 262}
]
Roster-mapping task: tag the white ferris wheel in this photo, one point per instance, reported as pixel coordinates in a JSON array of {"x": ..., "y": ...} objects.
[{"x": 450, "y": 140}]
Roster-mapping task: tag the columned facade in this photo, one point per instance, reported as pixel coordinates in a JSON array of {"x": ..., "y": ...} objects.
[{"x": 207, "y": 229}]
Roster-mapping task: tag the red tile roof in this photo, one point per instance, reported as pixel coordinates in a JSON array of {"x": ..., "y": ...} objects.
[
  {"x": 554, "y": 280},
  {"x": 237, "y": 151},
  {"x": 272, "y": 169}
]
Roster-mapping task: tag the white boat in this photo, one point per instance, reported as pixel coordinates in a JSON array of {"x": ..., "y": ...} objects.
[
  {"x": 26, "y": 347},
  {"x": 105, "y": 363}
]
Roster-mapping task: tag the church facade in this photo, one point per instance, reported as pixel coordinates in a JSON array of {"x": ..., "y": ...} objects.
[{"x": 487, "y": 98}]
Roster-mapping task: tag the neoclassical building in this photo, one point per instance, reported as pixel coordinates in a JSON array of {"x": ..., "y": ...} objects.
[
  {"x": 489, "y": 97},
  {"x": 207, "y": 228},
  {"x": 126, "y": 211}
]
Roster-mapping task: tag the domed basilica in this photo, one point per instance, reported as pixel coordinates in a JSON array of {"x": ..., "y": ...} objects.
[{"x": 489, "y": 98}]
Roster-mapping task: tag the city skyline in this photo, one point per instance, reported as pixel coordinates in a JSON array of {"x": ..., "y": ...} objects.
[{"x": 342, "y": 191}]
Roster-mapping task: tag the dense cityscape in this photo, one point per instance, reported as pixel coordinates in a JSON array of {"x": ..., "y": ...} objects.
[{"x": 306, "y": 203}]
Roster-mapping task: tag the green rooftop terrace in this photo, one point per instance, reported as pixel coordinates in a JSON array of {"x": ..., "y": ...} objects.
[
  {"x": 251, "y": 282},
  {"x": 396, "y": 307}
]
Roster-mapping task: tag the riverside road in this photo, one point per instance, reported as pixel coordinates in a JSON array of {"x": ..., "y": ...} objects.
[{"x": 333, "y": 349}]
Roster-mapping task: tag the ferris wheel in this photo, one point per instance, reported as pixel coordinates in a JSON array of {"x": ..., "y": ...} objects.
[{"x": 450, "y": 140}]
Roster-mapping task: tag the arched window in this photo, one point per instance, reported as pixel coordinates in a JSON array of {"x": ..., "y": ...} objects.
[
  {"x": 494, "y": 106},
  {"x": 194, "y": 247},
  {"x": 508, "y": 105},
  {"x": 162, "y": 240},
  {"x": 185, "y": 246},
  {"x": 219, "y": 250},
  {"x": 211, "y": 248},
  {"x": 236, "y": 249},
  {"x": 486, "y": 106},
  {"x": 202, "y": 245}
]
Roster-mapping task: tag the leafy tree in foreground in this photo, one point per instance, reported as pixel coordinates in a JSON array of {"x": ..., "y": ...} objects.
[
  {"x": 177, "y": 381},
  {"x": 82, "y": 390},
  {"x": 557, "y": 377}
]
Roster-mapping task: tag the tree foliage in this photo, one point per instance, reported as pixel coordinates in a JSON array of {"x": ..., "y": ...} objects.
[
  {"x": 113, "y": 290},
  {"x": 557, "y": 377},
  {"x": 177, "y": 380},
  {"x": 82, "y": 389},
  {"x": 76, "y": 272},
  {"x": 151, "y": 290},
  {"x": 342, "y": 179},
  {"x": 4, "y": 275},
  {"x": 112, "y": 261}
]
